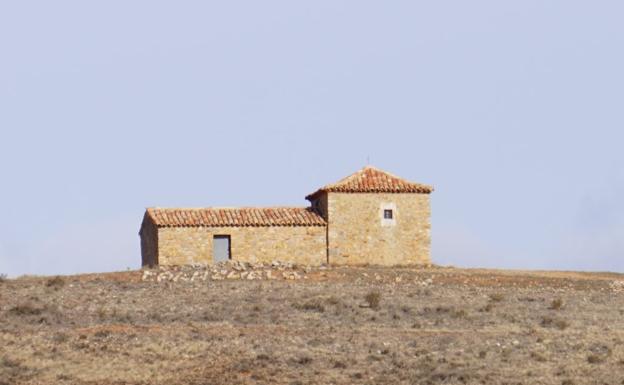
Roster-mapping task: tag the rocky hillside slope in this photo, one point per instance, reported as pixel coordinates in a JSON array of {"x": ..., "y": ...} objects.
[{"x": 285, "y": 324}]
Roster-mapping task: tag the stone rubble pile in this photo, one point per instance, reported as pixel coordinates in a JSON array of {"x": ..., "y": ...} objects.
[
  {"x": 229, "y": 270},
  {"x": 425, "y": 283},
  {"x": 617, "y": 286}
]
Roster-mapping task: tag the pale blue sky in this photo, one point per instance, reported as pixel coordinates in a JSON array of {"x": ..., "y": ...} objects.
[{"x": 513, "y": 110}]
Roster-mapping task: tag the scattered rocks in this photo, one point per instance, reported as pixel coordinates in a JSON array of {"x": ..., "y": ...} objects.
[
  {"x": 424, "y": 283},
  {"x": 277, "y": 270},
  {"x": 617, "y": 286},
  {"x": 230, "y": 270},
  {"x": 290, "y": 275}
]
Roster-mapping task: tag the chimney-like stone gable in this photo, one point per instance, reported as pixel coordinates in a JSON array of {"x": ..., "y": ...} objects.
[{"x": 359, "y": 234}]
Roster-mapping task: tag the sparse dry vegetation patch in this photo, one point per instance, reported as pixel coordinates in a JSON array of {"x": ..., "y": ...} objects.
[
  {"x": 497, "y": 297},
  {"x": 558, "y": 323},
  {"x": 373, "y": 299},
  {"x": 25, "y": 309},
  {"x": 315, "y": 304},
  {"x": 363, "y": 325},
  {"x": 55, "y": 283},
  {"x": 556, "y": 304}
]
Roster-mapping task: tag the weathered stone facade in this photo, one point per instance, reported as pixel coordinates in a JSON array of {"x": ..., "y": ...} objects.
[
  {"x": 370, "y": 217},
  {"x": 299, "y": 244},
  {"x": 357, "y": 233}
]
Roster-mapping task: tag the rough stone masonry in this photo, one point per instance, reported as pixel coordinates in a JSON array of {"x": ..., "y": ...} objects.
[{"x": 369, "y": 217}]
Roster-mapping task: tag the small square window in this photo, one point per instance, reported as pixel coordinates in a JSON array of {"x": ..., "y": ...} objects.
[{"x": 387, "y": 214}]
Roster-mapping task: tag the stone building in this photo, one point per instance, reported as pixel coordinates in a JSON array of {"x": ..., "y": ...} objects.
[{"x": 369, "y": 217}]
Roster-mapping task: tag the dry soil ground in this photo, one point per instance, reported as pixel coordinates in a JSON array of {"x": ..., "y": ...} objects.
[{"x": 339, "y": 326}]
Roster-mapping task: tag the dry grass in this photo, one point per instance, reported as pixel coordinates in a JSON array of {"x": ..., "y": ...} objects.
[
  {"x": 315, "y": 304},
  {"x": 469, "y": 327},
  {"x": 558, "y": 323}
]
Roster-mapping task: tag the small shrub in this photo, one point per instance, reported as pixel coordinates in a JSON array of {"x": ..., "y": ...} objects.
[
  {"x": 311, "y": 305},
  {"x": 13, "y": 371},
  {"x": 101, "y": 312},
  {"x": 339, "y": 365},
  {"x": 496, "y": 297},
  {"x": 3, "y": 278},
  {"x": 556, "y": 304},
  {"x": 595, "y": 359},
  {"x": 124, "y": 317},
  {"x": 482, "y": 354},
  {"x": 156, "y": 316},
  {"x": 9, "y": 363},
  {"x": 560, "y": 324},
  {"x": 305, "y": 360},
  {"x": 55, "y": 283},
  {"x": 244, "y": 366},
  {"x": 538, "y": 357},
  {"x": 102, "y": 333},
  {"x": 26, "y": 309},
  {"x": 60, "y": 338},
  {"x": 599, "y": 354},
  {"x": 373, "y": 299},
  {"x": 460, "y": 313}
]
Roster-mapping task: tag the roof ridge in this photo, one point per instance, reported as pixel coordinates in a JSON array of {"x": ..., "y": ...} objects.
[
  {"x": 226, "y": 207},
  {"x": 372, "y": 179},
  {"x": 236, "y": 216}
]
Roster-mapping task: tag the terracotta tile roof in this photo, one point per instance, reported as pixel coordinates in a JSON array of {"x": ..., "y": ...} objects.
[
  {"x": 373, "y": 180},
  {"x": 216, "y": 217}
]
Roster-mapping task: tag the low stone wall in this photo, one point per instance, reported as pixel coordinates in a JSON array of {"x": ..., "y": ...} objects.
[
  {"x": 298, "y": 244},
  {"x": 230, "y": 270}
]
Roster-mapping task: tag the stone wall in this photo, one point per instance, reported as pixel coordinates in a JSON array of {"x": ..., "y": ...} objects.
[
  {"x": 298, "y": 244},
  {"x": 358, "y": 234},
  {"x": 149, "y": 242}
]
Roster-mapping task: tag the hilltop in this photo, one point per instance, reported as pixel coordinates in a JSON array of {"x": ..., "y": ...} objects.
[{"x": 300, "y": 325}]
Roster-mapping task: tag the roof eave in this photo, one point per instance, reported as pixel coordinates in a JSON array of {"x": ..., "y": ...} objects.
[
  {"x": 312, "y": 196},
  {"x": 426, "y": 189}
]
